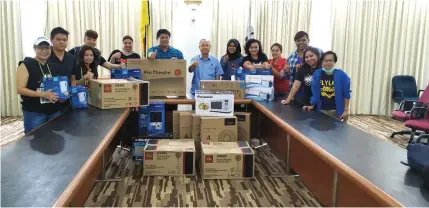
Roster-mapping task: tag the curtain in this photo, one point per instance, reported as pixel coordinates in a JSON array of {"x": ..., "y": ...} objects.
[
  {"x": 376, "y": 40},
  {"x": 10, "y": 54},
  {"x": 228, "y": 23},
  {"x": 278, "y": 21},
  {"x": 111, "y": 19}
]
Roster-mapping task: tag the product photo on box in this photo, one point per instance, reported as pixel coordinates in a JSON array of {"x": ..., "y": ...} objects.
[{"x": 214, "y": 103}]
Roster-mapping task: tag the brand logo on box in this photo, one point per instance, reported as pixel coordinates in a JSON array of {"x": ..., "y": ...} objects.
[
  {"x": 209, "y": 159},
  {"x": 107, "y": 88},
  {"x": 148, "y": 155},
  {"x": 119, "y": 85},
  {"x": 178, "y": 72}
]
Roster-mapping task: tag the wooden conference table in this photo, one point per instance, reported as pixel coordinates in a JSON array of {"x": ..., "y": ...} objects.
[{"x": 58, "y": 163}]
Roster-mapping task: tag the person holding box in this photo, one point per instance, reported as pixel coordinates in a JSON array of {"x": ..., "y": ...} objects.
[
  {"x": 164, "y": 50},
  {"x": 255, "y": 58},
  {"x": 37, "y": 104},
  {"x": 204, "y": 66}
]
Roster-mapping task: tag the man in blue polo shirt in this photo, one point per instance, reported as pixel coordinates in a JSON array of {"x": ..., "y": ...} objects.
[
  {"x": 204, "y": 66},
  {"x": 164, "y": 50}
]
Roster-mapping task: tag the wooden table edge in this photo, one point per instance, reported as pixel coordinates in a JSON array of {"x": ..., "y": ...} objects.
[
  {"x": 367, "y": 186},
  {"x": 73, "y": 187}
]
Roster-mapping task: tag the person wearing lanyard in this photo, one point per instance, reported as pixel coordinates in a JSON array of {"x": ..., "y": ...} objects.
[
  {"x": 38, "y": 106},
  {"x": 87, "y": 68},
  {"x": 232, "y": 59}
]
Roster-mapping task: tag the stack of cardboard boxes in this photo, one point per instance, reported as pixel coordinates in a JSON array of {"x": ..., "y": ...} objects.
[{"x": 221, "y": 136}]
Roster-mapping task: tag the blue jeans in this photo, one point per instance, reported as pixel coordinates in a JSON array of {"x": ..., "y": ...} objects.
[{"x": 33, "y": 120}]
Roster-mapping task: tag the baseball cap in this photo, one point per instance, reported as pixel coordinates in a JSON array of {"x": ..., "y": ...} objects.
[{"x": 42, "y": 39}]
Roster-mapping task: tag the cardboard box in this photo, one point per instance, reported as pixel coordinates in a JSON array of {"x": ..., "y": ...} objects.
[
  {"x": 125, "y": 73},
  {"x": 227, "y": 160},
  {"x": 79, "y": 98},
  {"x": 166, "y": 157},
  {"x": 196, "y": 128},
  {"x": 166, "y": 77},
  {"x": 243, "y": 119},
  {"x": 219, "y": 129},
  {"x": 185, "y": 120},
  {"x": 118, "y": 93},
  {"x": 176, "y": 124},
  {"x": 259, "y": 81},
  {"x": 152, "y": 119},
  {"x": 236, "y": 87},
  {"x": 266, "y": 94},
  {"x": 138, "y": 148},
  {"x": 214, "y": 103}
]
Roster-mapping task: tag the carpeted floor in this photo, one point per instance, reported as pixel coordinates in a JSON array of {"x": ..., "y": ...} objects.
[
  {"x": 271, "y": 186},
  {"x": 11, "y": 129}
]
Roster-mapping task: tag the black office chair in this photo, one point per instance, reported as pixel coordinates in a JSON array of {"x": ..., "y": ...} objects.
[{"x": 404, "y": 87}]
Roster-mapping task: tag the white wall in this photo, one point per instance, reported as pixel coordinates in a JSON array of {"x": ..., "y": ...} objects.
[{"x": 187, "y": 34}]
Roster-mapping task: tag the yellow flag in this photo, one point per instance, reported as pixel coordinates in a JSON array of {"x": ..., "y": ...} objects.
[{"x": 145, "y": 32}]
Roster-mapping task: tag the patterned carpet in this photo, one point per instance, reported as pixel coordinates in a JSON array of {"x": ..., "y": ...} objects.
[
  {"x": 269, "y": 188},
  {"x": 11, "y": 129}
]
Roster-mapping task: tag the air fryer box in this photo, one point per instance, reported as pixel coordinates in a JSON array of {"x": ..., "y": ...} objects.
[
  {"x": 214, "y": 103},
  {"x": 236, "y": 87},
  {"x": 259, "y": 81},
  {"x": 118, "y": 93},
  {"x": 185, "y": 125},
  {"x": 243, "y": 119},
  {"x": 152, "y": 119},
  {"x": 219, "y": 129},
  {"x": 227, "y": 160},
  {"x": 166, "y": 157}
]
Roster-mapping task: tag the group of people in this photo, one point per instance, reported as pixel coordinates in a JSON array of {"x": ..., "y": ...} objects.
[{"x": 308, "y": 76}]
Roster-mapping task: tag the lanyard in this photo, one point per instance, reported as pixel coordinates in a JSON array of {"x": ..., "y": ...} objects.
[{"x": 41, "y": 70}]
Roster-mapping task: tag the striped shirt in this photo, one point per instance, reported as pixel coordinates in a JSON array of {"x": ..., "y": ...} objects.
[{"x": 293, "y": 60}]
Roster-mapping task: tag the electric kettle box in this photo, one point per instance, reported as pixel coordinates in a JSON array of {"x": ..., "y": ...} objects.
[
  {"x": 236, "y": 87},
  {"x": 260, "y": 93},
  {"x": 227, "y": 160},
  {"x": 166, "y": 77},
  {"x": 169, "y": 157},
  {"x": 118, "y": 93},
  {"x": 185, "y": 125},
  {"x": 219, "y": 129},
  {"x": 214, "y": 103},
  {"x": 151, "y": 119},
  {"x": 259, "y": 81},
  {"x": 243, "y": 119}
]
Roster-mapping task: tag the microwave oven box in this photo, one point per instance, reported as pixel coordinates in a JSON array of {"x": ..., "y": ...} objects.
[
  {"x": 243, "y": 123},
  {"x": 167, "y": 77},
  {"x": 118, "y": 93},
  {"x": 214, "y": 103},
  {"x": 227, "y": 160},
  {"x": 259, "y": 81},
  {"x": 236, "y": 87},
  {"x": 185, "y": 125},
  {"x": 219, "y": 129},
  {"x": 169, "y": 157}
]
